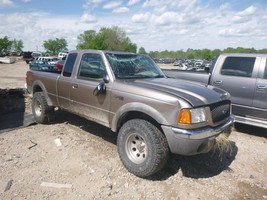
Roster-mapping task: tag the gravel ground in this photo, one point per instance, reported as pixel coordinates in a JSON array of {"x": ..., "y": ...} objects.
[{"x": 73, "y": 158}]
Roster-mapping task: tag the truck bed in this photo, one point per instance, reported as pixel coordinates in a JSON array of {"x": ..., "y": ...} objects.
[{"x": 47, "y": 78}]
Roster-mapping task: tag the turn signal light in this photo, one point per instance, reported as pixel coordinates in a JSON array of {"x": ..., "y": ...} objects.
[{"x": 185, "y": 116}]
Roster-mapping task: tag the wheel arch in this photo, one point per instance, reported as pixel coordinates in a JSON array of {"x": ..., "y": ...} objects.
[
  {"x": 137, "y": 111},
  {"x": 38, "y": 86}
]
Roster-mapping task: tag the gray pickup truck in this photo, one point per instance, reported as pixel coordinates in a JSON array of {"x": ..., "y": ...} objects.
[
  {"x": 244, "y": 76},
  {"x": 152, "y": 114}
]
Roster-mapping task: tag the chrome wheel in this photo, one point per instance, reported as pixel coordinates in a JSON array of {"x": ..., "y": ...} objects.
[
  {"x": 142, "y": 147},
  {"x": 136, "y": 148},
  {"x": 37, "y": 108},
  {"x": 40, "y": 109}
]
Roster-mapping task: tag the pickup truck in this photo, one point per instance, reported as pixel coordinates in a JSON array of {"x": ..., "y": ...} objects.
[
  {"x": 244, "y": 76},
  {"x": 128, "y": 93},
  {"x": 29, "y": 56}
]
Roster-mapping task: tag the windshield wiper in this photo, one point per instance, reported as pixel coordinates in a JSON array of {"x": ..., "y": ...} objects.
[
  {"x": 140, "y": 76},
  {"x": 158, "y": 76}
]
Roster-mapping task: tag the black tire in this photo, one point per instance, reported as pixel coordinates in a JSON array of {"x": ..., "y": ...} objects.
[
  {"x": 142, "y": 147},
  {"x": 40, "y": 109}
]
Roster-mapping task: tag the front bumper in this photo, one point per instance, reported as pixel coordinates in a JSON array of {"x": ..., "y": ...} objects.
[{"x": 197, "y": 141}]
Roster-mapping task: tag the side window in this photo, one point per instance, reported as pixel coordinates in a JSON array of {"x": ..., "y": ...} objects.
[
  {"x": 265, "y": 71},
  {"x": 238, "y": 66},
  {"x": 91, "y": 66},
  {"x": 69, "y": 64}
]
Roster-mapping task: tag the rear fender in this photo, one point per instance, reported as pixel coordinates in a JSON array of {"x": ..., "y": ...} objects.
[{"x": 38, "y": 86}]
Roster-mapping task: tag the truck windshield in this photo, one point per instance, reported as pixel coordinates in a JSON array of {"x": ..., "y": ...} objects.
[{"x": 132, "y": 66}]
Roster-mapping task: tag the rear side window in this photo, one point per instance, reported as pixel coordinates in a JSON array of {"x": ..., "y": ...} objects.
[
  {"x": 69, "y": 64},
  {"x": 238, "y": 66}
]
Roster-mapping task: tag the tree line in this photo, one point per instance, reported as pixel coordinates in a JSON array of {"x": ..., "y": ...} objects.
[
  {"x": 115, "y": 39},
  {"x": 205, "y": 54},
  {"x": 7, "y": 46}
]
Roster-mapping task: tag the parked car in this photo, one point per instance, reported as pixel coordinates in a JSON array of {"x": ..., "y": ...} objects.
[
  {"x": 41, "y": 65},
  {"x": 244, "y": 76},
  {"x": 59, "y": 64},
  {"x": 29, "y": 56},
  {"x": 62, "y": 54},
  {"x": 48, "y": 59}
]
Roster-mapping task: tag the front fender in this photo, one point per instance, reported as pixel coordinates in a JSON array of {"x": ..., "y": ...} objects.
[{"x": 136, "y": 107}]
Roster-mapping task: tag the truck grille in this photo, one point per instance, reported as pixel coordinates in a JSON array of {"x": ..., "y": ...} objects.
[{"x": 220, "y": 111}]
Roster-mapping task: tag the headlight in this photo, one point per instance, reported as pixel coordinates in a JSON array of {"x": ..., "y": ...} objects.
[{"x": 192, "y": 116}]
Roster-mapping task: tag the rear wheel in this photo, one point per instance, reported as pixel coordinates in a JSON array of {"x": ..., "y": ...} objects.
[
  {"x": 40, "y": 109},
  {"x": 142, "y": 147}
]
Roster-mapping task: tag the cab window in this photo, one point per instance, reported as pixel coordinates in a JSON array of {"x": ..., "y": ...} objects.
[
  {"x": 238, "y": 66},
  {"x": 91, "y": 67}
]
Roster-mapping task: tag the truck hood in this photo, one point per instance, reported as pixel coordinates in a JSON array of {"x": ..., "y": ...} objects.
[{"x": 194, "y": 93}]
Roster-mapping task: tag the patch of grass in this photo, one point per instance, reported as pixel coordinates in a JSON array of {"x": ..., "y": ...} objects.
[{"x": 223, "y": 144}]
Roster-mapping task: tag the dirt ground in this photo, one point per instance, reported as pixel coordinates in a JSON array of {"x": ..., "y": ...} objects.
[{"x": 73, "y": 158}]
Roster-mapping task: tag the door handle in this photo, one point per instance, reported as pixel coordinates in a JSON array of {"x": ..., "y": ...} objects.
[
  {"x": 218, "y": 82},
  {"x": 75, "y": 86},
  {"x": 261, "y": 87}
]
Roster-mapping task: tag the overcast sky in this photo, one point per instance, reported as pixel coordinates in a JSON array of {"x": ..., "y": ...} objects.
[{"x": 156, "y": 25}]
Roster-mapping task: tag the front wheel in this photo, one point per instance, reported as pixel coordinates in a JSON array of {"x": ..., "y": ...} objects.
[
  {"x": 142, "y": 147},
  {"x": 40, "y": 109}
]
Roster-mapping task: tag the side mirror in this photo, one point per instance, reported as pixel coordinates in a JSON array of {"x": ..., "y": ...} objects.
[
  {"x": 101, "y": 87},
  {"x": 106, "y": 79}
]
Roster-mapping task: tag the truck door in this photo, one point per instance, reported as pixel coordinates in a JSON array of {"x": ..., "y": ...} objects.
[
  {"x": 260, "y": 98},
  {"x": 83, "y": 102},
  {"x": 238, "y": 77}
]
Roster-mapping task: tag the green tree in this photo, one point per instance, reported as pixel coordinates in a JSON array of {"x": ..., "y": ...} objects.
[
  {"x": 180, "y": 54},
  {"x": 114, "y": 39},
  {"x": 229, "y": 50},
  {"x": 262, "y": 51},
  {"x": 154, "y": 54},
  {"x": 206, "y": 54},
  {"x": 197, "y": 53},
  {"x": 215, "y": 53},
  {"x": 142, "y": 50},
  {"x": 53, "y": 47},
  {"x": 86, "y": 39},
  {"x": 17, "y": 45},
  {"x": 201, "y": 54},
  {"x": 5, "y": 45}
]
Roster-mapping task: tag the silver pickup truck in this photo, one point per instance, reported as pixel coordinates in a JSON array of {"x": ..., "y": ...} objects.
[
  {"x": 152, "y": 114},
  {"x": 244, "y": 76}
]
